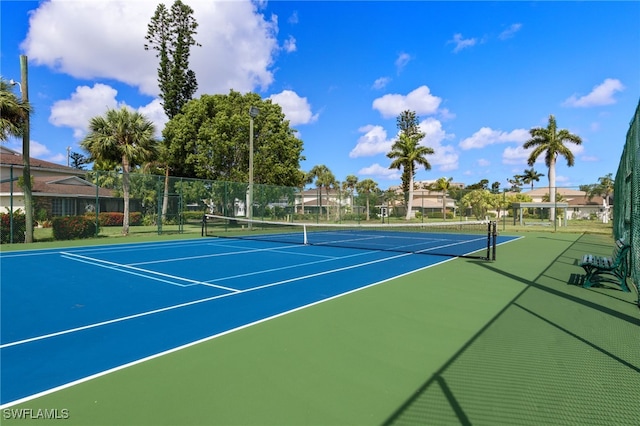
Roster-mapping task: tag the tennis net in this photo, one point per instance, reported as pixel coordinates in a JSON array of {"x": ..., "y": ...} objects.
[{"x": 472, "y": 239}]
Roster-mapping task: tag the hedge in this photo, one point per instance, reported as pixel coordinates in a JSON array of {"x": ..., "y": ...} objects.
[
  {"x": 116, "y": 218},
  {"x": 73, "y": 227},
  {"x": 19, "y": 227}
]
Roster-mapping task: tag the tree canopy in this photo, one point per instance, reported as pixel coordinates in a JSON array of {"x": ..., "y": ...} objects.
[
  {"x": 13, "y": 112},
  {"x": 551, "y": 142},
  {"x": 408, "y": 154},
  {"x": 170, "y": 33},
  {"x": 125, "y": 137},
  {"x": 209, "y": 139}
]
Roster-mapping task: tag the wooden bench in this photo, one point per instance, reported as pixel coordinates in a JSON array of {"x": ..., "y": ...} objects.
[{"x": 612, "y": 269}]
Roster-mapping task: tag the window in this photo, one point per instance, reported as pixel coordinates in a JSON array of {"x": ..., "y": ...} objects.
[{"x": 63, "y": 206}]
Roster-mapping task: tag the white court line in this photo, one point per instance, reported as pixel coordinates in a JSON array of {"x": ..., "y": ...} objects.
[
  {"x": 194, "y": 302},
  {"x": 291, "y": 266},
  {"x": 223, "y": 333},
  {"x": 101, "y": 247},
  {"x": 139, "y": 271},
  {"x": 231, "y": 253}
]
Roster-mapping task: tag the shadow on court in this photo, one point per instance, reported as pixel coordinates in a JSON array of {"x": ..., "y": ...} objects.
[{"x": 556, "y": 354}]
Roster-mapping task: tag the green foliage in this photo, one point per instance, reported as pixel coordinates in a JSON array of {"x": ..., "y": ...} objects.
[
  {"x": 530, "y": 176},
  {"x": 19, "y": 227},
  {"x": 170, "y": 33},
  {"x": 209, "y": 140},
  {"x": 406, "y": 152},
  {"x": 13, "y": 112},
  {"x": 479, "y": 201},
  {"x": 73, "y": 227},
  {"x": 367, "y": 189},
  {"x": 78, "y": 161},
  {"x": 125, "y": 137}
]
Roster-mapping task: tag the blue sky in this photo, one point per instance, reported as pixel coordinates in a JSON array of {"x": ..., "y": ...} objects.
[{"x": 478, "y": 74}]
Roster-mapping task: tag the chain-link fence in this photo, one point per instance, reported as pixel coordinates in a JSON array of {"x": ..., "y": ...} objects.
[
  {"x": 168, "y": 204},
  {"x": 627, "y": 200}
]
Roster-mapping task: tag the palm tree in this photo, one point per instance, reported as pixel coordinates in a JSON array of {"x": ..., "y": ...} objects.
[
  {"x": 551, "y": 141},
  {"x": 530, "y": 176},
  {"x": 407, "y": 155},
  {"x": 324, "y": 179},
  {"x": 605, "y": 186},
  {"x": 367, "y": 187},
  {"x": 516, "y": 183},
  {"x": 442, "y": 184},
  {"x": 13, "y": 112},
  {"x": 126, "y": 137}
]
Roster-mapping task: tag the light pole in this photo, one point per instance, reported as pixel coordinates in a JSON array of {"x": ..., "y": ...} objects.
[
  {"x": 253, "y": 113},
  {"x": 26, "y": 171}
]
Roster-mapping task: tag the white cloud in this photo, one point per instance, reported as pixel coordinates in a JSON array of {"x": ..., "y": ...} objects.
[
  {"x": 37, "y": 150},
  {"x": 461, "y": 43},
  {"x": 601, "y": 94},
  {"x": 419, "y": 100},
  {"x": 380, "y": 172},
  {"x": 510, "y": 32},
  {"x": 373, "y": 142},
  {"x": 289, "y": 45},
  {"x": 295, "y": 108},
  {"x": 487, "y": 136},
  {"x": 381, "y": 83},
  {"x": 154, "y": 112},
  {"x": 589, "y": 158},
  {"x": 293, "y": 19},
  {"x": 85, "y": 39},
  {"x": 483, "y": 162},
  {"x": 86, "y": 102},
  {"x": 445, "y": 157},
  {"x": 446, "y": 115},
  {"x": 402, "y": 61},
  {"x": 517, "y": 155},
  {"x": 575, "y": 149}
]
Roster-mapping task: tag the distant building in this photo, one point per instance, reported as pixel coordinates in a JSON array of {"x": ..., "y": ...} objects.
[
  {"x": 580, "y": 206},
  {"x": 57, "y": 190}
]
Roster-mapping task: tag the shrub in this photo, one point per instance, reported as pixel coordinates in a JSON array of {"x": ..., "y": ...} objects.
[
  {"x": 73, "y": 227},
  {"x": 19, "y": 227},
  {"x": 115, "y": 218}
]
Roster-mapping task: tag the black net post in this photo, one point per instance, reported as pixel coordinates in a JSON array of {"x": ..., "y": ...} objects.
[{"x": 494, "y": 236}]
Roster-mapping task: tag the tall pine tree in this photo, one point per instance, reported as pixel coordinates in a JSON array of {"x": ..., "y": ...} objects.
[{"x": 171, "y": 33}]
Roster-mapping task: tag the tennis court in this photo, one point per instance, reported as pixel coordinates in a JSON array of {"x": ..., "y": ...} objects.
[{"x": 73, "y": 314}]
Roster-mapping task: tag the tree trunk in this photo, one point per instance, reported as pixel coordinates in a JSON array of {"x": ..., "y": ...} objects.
[
  {"x": 444, "y": 206},
  {"x": 552, "y": 188},
  {"x": 368, "y": 217},
  {"x": 165, "y": 198},
  {"x": 26, "y": 160},
  {"x": 410, "y": 200},
  {"x": 125, "y": 194}
]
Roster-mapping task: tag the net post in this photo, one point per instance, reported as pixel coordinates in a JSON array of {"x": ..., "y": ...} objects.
[
  {"x": 495, "y": 238},
  {"x": 488, "y": 257},
  {"x": 304, "y": 235},
  {"x": 203, "y": 231}
]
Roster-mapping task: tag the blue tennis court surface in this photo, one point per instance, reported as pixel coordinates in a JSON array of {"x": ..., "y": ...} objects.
[{"x": 70, "y": 314}]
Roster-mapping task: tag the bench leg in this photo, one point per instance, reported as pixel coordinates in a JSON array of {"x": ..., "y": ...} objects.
[{"x": 619, "y": 279}]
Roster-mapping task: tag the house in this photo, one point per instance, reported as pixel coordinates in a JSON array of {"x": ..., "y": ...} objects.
[
  {"x": 57, "y": 190},
  {"x": 426, "y": 200},
  {"x": 318, "y": 200},
  {"x": 580, "y": 206}
]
